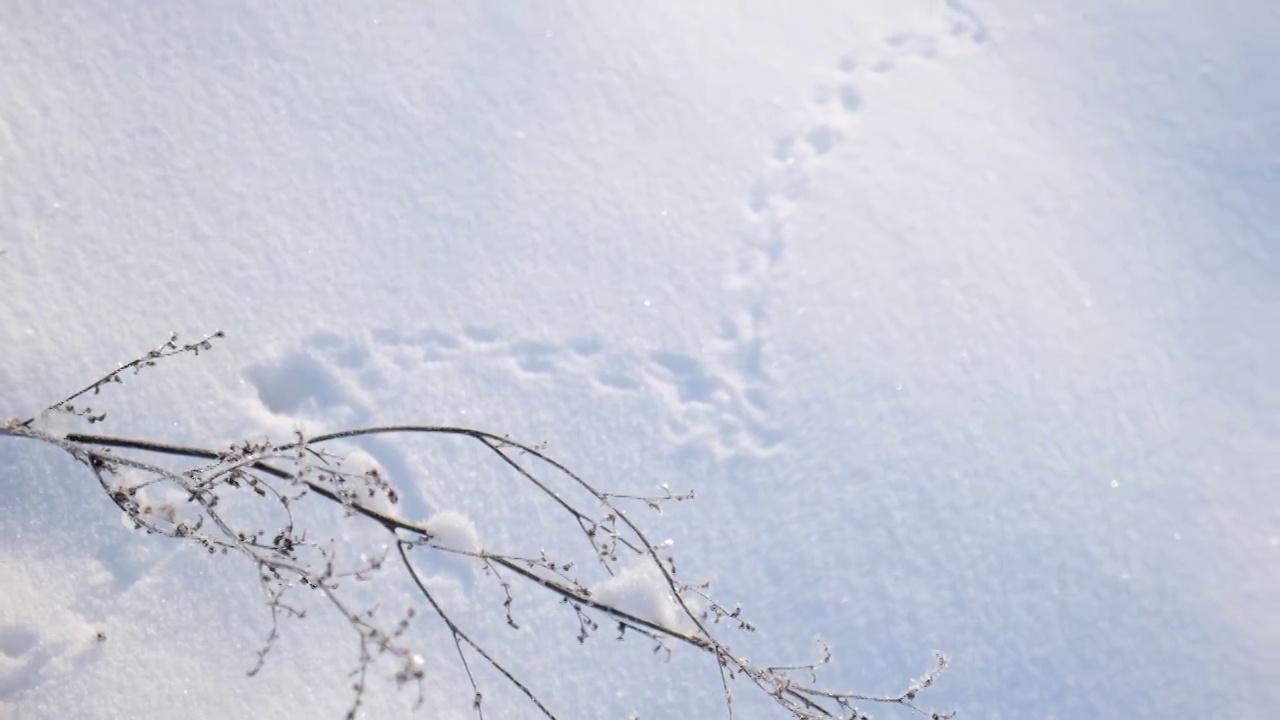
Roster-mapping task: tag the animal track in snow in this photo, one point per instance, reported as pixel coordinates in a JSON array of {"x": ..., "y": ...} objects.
[
  {"x": 344, "y": 377},
  {"x": 718, "y": 399},
  {"x": 776, "y": 194},
  {"x": 834, "y": 108}
]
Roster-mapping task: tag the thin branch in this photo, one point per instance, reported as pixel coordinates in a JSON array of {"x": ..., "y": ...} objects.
[
  {"x": 285, "y": 473},
  {"x": 459, "y": 634}
]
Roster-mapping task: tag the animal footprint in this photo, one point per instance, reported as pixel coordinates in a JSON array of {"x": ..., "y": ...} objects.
[
  {"x": 850, "y": 97},
  {"x": 773, "y": 200},
  {"x": 335, "y": 379},
  {"x": 341, "y": 379}
]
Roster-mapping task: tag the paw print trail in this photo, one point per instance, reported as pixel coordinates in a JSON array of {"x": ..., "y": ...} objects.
[
  {"x": 718, "y": 397},
  {"x": 746, "y": 376}
]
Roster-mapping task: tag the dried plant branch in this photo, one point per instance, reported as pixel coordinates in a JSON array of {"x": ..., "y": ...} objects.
[{"x": 284, "y": 477}]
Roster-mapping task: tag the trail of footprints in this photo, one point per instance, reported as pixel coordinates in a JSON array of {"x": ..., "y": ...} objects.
[
  {"x": 835, "y": 105},
  {"x": 775, "y": 196},
  {"x": 338, "y": 373},
  {"x": 719, "y": 399}
]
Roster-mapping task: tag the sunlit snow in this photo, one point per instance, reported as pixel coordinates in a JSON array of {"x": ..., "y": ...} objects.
[{"x": 960, "y": 318}]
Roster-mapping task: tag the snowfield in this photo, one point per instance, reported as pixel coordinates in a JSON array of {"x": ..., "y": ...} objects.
[{"x": 959, "y": 317}]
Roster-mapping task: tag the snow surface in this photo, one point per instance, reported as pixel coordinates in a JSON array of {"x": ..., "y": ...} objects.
[{"x": 959, "y": 317}]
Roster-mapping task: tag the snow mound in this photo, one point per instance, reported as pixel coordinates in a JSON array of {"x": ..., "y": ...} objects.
[
  {"x": 641, "y": 590},
  {"x": 454, "y": 531}
]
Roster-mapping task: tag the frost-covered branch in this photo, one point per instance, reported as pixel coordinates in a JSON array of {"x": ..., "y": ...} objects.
[{"x": 219, "y": 504}]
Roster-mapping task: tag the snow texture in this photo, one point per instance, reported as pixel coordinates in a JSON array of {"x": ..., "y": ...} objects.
[{"x": 959, "y": 317}]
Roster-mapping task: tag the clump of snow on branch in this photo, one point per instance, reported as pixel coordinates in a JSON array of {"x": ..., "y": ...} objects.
[
  {"x": 360, "y": 462},
  {"x": 56, "y": 423},
  {"x": 641, "y": 590},
  {"x": 153, "y": 496},
  {"x": 452, "y": 530}
]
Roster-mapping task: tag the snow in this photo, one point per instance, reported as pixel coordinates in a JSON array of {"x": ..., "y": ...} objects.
[
  {"x": 43, "y": 633},
  {"x": 958, "y": 317},
  {"x": 454, "y": 531},
  {"x": 639, "y": 589}
]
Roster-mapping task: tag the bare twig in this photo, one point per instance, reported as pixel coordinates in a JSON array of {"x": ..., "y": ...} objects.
[{"x": 283, "y": 475}]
